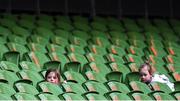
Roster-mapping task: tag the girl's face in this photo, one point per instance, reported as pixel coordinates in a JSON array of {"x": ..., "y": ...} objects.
[
  {"x": 52, "y": 77},
  {"x": 146, "y": 76}
]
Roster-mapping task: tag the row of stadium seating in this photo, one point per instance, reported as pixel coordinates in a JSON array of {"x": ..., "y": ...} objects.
[{"x": 99, "y": 58}]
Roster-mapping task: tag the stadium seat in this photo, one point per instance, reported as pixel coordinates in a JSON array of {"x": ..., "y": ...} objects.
[
  {"x": 117, "y": 86},
  {"x": 12, "y": 56},
  {"x": 82, "y": 26},
  {"x": 117, "y": 96},
  {"x": 132, "y": 76},
  {"x": 140, "y": 96},
  {"x": 97, "y": 67},
  {"x": 75, "y": 40},
  {"x": 73, "y": 76},
  {"x": 135, "y": 51},
  {"x": 119, "y": 42},
  {"x": 5, "y": 97},
  {"x": 23, "y": 96},
  {"x": 62, "y": 33},
  {"x": 55, "y": 48},
  {"x": 27, "y": 24},
  {"x": 44, "y": 32},
  {"x": 64, "y": 25},
  {"x": 99, "y": 41},
  {"x": 7, "y": 23},
  {"x": 26, "y": 65},
  {"x": 139, "y": 86},
  {"x": 47, "y": 96},
  {"x": 63, "y": 18},
  {"x": 172, "y": 68},
  {"x": 92, "y": 75},
  {"x": 17, "y": 30},
  {"x": 71, "y": 96},
  {"x": 114, "y": 58},
  {"x": 91, "y": 57},
  {"x": 156, "y": 86},
  {"x": 8, "y": 77},
  {"x": 75, "y": 49},
  {"x": 45, "y": 24},
  {"x": 36, "y": 57},
  {"x": 116, "y": 50},
  {"x": 161, "y": 96},
  {"x": 33, "y": 76},
  {"x": 25, "y": 87},
  {"x": 16, "y": 39},
  {"x": 48, "y": 87},
  {"x": 94, "y": 96},
  {"x": 81, "y": 34},
  {"x": 17, "y": 48},
  {"x": 114, "y": 76},
  {"x": 98, "y": 26},
  {"x": 59, "y": 41},
  {"x": 38, "y": 39},
  {"x": 92, "y": 86},
  {"x": 6, "y": 65},
  {"x": 96, "y": 49},
  {"x": 71, "y": 87},
  {"x": 35, "y": 47},
  {"x": 6, "y": 89}
]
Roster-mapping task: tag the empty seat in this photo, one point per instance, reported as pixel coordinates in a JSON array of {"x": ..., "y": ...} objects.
[
  {"x": 91, "y": 75},
  {"x": 38, "y": 39},
  {"x": 49, "y": 88},
  {"x": 117, "y": 86},
  {"x": 71, "y": 96},
  {"x": 75, "y": 49},
  {"x": 161, "y": 96},
  {"x": 92, "y": 86},
  {"x": 5, "y": 88},
  {"x": 6, "y": 65},
  {"x": 156, "y": 86},
  {"x": 114, "y": 58},
  {"x": 55, "y": 48},
  {"x": 116, "y": 50},
  {"x": 72, "y": 87},
  {"x": 78, "y": 41},
  {"x": 5, "y": 97},
  {"x": 35, "y": 47},
  {"x": 44, "y": 32},
  {"x": 25, "y": 87},
  {"x": 23, "y": 96},
  {"x": 140, "y": 96},
  {"x": 91, "y": 57},
  {"x": 17, "y": 39},
  {"x": 114, "y": 95},
  {"x": 47, "y": 96},
  {"x": 17, "y": 30},
  {"x": 59, "y": 41}
]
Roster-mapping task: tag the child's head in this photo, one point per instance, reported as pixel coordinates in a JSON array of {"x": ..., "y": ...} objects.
[
  {"x": 53, "y": 76},
  {"x": 146, "y": 73}
]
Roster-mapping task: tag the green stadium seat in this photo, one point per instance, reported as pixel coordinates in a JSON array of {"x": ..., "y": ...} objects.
[
  {"x": 97, "y": 67},
  {"x": 38, "y": 39},
  {"x": 96, "y": 49},
  {"x": 116, "y": 50},
  {"x": 3, "y": 49},
  {"x": 71, "y": 96},
  {"x": 100, "y": 19},
  {"x": 45, "y": 24},
  {"x": 55, "y": 48},
  {"x": 172, "y": 68},
  {"x": 99, "y": 41},
  {"x": 36, "y": 57},
  {"x": 139, "y": 86},
  {"x": 81, "y": 34},
  {"x": 114, "y": 95},
  {"x": 75, "y": 40},
  {"x": 140, "y": 96},
  {"x": 59, "y": 41},
  {"x": 129, "y": 58},
  {"x": 35, "y": 47},
  {"x": 64, "y": 25},
  {"x": 5, "y": 97},
  {"x": 176, "y": 76},
  {"x": 48, "y": 87},
  {"x": 5, "y": 31},
  {"x": 92, "y": 86},
  {"x": 74, "y": 77},
  {"x": 27, "y": 24},
  {"x": 75, "y": 49},
  {"x": 13, "y": 17},
  {"x": 176, "y": 96},
  {"x": 17, "y": 39},
  {"x": 156, "y": 86},
  {"x": 6, "y": 89},
  {"x": 92, "y": 75},
  {"x": 137, "y": 43},
  {"x": 33, "y": 76},
  {"x": 117, "y": 86},
  {"x": 3, "y": 39},
  {"x": 7, "y": 23},
  {"x": 25, "y": 87},
  {"x": 8, "y": 77},
  {"x": 120, "y": 68},
  {"x": 82, "y": 26},
  {"x": 62, "y": 33},
  {"x": 93, "y": 96},
  {"x": 161, "y": 96},
  {"x": 7, "y": 65},
  {"x": 132, "y": 76},
  {"x": 75, "y": 57},
  {"x": 114, "y": 58},
  {"x": 91, "y": 57},
  {"x": 44, "y": 32},
  {"x": 119, "y": 42},
  {"x": 118, "y": 34},
  {"x": 114, "y": 76},
  {"x": 17, "y": 30},
  {"x": 26, "y": 65},
  {"x": 135, "y": 51},
  {"x": 55, "y": 56},
  {"x": 98, "y": 26},
  {"x": 171, "y": 59},
  {"x": 23, "y": 96},
  {"x": 96, "y": 33},
  {"x": 48, "y": 96},
  {"x": 12, "y": 56},
  {"x": 71, "y": 87}
]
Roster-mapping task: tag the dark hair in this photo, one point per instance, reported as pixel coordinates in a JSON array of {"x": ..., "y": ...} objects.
[
  {"x": 55, "y": 71},
  {"x": 148, "y": 65}
]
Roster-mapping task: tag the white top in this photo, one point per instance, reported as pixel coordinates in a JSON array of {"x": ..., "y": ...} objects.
[{"x": 163, "y": 79}]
